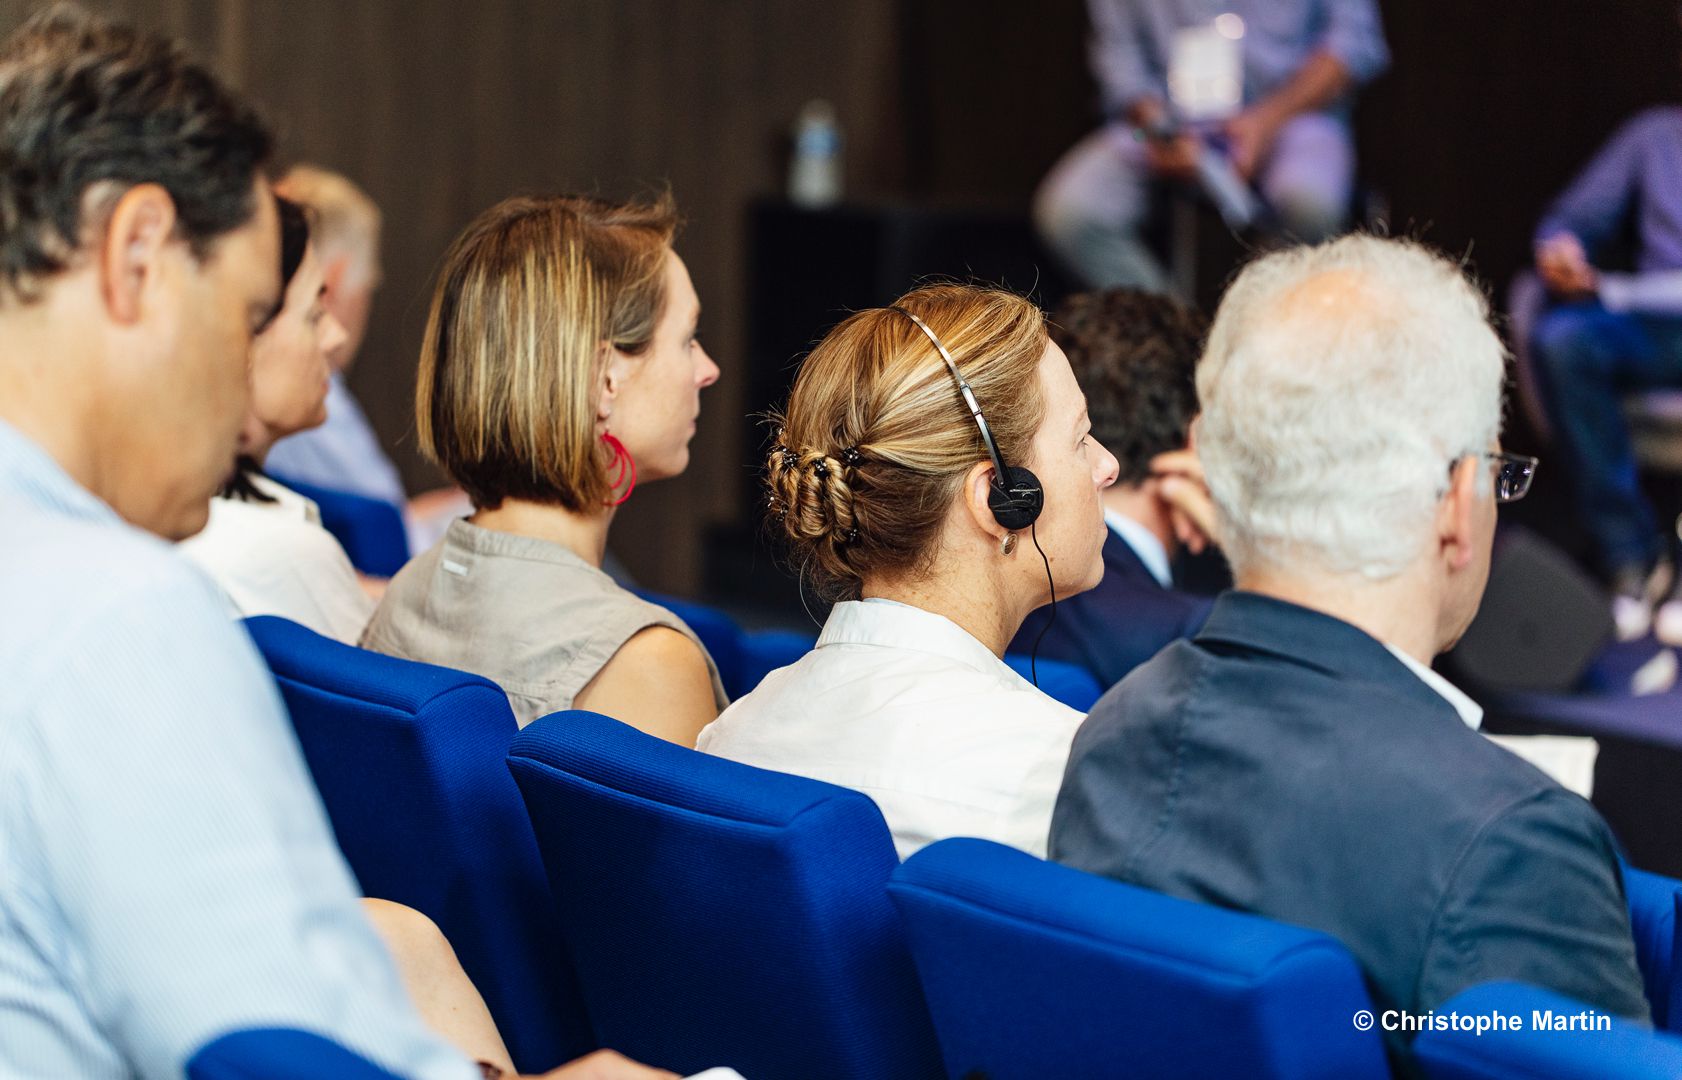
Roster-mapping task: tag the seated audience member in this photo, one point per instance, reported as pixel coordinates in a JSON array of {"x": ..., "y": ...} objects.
[
  {"x": 264, "y": 545},
  {"x": 560, "y": 367},
  {"x": 344, "y": 454},
  {"x": 1134, "y": 354},
  {"x": 169, "y": 873},
  {"x": 881, "y": 482},
  {"x": 1299, "y": 758},
  {"x": 1607, "y": 335}
]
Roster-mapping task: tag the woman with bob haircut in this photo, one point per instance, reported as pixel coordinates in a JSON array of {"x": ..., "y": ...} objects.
[
  {"x": 880, "y": 482},
  {"x": 560, "y": 368}
]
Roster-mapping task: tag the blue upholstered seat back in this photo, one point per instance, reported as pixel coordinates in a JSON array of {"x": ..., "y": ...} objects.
[
  {"x": 370, "y": 530},
  {"x": 1625, "y": 1052},
  {"x": 1653, "y": 903},
  {"x": 410, "y": 761},
  {"x": 720, "y": 914},
  {"x": 1034, "y": 970},
  {"x": 280, "y": 1054},
  {"x": 1071, "y": 684}
]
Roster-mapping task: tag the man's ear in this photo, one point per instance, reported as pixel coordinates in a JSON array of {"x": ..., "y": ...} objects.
[
  {"x": 138, "y": 232},
  {"x": 1457, "y": 510},
  {"x": 977, "y": 483}
]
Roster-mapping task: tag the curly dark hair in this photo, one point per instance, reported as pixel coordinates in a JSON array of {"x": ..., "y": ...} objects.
[
  {"x": 85, "y": 102},
  {"x": 1135, "y": 356}
]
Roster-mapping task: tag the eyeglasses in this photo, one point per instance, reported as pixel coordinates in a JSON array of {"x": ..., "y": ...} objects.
[{"x": 1513, "y": 473}]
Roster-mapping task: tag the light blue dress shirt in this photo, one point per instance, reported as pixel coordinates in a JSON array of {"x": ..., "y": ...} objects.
[{"x": 166, "y": 869}]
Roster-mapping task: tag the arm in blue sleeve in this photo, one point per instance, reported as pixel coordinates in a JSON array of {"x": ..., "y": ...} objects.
[
  {"x": 1118, "y": 56},
  {"x": 1595, "y": 205},
  {"x": 179, "y": 834},
  {"x": 1355, "y": 36}
]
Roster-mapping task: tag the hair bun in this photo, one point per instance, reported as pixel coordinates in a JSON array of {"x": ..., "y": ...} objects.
[{"x": 812, "y": 500}]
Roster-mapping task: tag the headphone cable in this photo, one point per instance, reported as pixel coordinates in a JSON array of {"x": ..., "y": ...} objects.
[{"x": 1034, "y": 657}]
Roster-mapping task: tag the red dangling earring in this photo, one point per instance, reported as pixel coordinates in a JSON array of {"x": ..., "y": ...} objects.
[{"x": 627, "y": 467}]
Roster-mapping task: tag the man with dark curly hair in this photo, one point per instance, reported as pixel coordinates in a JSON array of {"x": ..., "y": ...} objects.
[{"x": 1133, "y": 353}]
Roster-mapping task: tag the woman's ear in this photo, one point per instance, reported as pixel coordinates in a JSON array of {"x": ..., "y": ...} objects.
[
  {"x": 615, "y": 369},
  {"x": 977, "y": 483}
]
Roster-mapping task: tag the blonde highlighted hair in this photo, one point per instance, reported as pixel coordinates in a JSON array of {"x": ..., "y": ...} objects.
[
  {"x": 529, "y": 298},
  {"x": 875, "y": 440}
]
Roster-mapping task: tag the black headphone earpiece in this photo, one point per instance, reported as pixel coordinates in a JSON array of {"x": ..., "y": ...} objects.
[{"x": 1016, "y": 498}]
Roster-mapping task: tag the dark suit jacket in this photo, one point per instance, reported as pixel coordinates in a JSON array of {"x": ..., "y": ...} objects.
[
  {"x": 1112, "y": 629},
  {"x": 1285, "y": 763}
]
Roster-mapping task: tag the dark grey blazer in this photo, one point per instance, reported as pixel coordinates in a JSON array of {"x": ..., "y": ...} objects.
[{"x": 1284, "y": 762}]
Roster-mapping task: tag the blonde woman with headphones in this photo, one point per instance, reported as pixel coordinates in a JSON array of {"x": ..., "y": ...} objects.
[{"x": 934, "y": 476}]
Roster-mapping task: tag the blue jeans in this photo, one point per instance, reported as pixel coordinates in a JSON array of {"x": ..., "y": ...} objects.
[{"x": 1588, "y": 360}]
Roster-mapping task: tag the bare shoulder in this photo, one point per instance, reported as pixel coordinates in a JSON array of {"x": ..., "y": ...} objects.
[{"x": 661, "y": 646}]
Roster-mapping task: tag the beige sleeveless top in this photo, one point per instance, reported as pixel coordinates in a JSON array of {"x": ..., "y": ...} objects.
[{"x": 528, "y": 614}]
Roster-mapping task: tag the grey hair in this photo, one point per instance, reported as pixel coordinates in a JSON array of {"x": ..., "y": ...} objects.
[{"x": 1339, "y": 384}]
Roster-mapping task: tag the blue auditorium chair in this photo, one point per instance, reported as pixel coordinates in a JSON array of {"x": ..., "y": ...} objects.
[
  {"x": 1625, "y": 1052},
  {"x": 1034, "y": 970},
  {"x": 720, "y": 914},
  {"x": 764, "y": 651},
  {"x": 370, "y": 530},
  {"x": 1653, "y": 903},
  {"x": 1071, "y": 684},
  {"x": 280, "y": 1054},
  {"x": 410, "y": 762}
]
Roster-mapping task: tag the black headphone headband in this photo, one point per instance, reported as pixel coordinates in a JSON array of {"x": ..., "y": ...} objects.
[{"x": 1016, "y": 497}]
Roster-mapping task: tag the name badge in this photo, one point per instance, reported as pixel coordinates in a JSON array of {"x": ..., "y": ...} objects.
[{"x": 1206, "y": 70}]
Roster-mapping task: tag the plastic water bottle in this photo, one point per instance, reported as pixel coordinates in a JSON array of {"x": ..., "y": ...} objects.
[{"x": 814, "y": 174}]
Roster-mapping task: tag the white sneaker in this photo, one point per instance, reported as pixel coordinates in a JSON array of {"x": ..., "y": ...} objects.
[{"x": 1633, "y": 616}]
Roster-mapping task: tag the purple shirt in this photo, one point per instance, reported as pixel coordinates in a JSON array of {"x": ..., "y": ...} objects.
[
  {"x": 1132, "y": 39},
  {"x": 1638, "y": 172}
]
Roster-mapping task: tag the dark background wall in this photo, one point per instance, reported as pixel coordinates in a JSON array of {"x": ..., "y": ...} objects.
[{"x": 440, "y": 107}]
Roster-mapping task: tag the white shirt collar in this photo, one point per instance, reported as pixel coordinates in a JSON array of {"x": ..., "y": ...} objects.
[
  {"x": 1470, "y": 711},
  {"x": 889, "y": 623},
  {"x": 1144, "y": 544}
]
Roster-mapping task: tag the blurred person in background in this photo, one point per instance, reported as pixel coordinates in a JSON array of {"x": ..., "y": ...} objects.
[
  {"x": 1266, "y": 84},
  {"x": 344, "y": 453},
  {"x": 265, "y": 546},
  {"x": 1607, "y": 335}
]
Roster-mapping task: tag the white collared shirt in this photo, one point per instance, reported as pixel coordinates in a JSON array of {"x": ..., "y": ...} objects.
[
  {"x": 1144, "y": 544},
  {"x": 274, "y": 558},
  {"x": 1568, "y": 760},
  {"x": 905, "y": 706},
  {"x": 1470, "y": 711}
]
